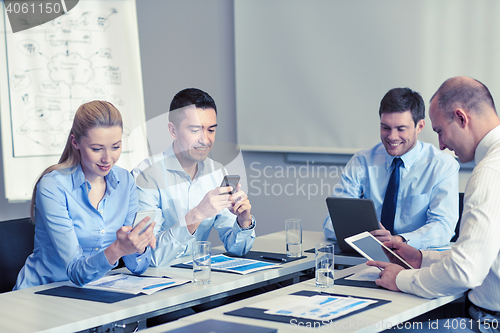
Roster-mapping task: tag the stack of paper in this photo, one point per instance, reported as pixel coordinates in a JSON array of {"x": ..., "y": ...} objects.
[
  {"x": 322, "y": 308},
  {"x": 135, "y": 284},
  {"x": 224, "y": 263}
]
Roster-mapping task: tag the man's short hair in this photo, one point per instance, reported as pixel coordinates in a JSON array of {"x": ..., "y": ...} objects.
[
  {"x": 189, "y": 97},
  {"x": 401, "y": 100},
  {"x": 465, "y": 94}
]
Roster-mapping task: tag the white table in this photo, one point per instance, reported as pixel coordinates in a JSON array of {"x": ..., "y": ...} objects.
[
  {"x": 401, "y": 308},
  {"x": 23, "y": 311}
]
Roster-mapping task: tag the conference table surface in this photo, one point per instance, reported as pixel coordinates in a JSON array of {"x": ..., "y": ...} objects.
[
  {"x": 24, "y": 311},
  {"x": 402, "y": 307}
]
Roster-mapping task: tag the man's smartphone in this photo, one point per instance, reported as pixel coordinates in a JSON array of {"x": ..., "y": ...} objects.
[
  {"x": 139, "y": 216},
  {"x": 230, "y": 180}
]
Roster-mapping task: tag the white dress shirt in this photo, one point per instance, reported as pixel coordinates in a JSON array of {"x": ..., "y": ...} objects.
[
  {"x": 164, "y": 186},
  {"x": 474, "y": 261}
]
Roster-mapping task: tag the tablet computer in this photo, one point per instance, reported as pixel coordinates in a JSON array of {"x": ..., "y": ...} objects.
[
  {"x": 372, "y": 249},
  {"x": 351, "y": 216}
]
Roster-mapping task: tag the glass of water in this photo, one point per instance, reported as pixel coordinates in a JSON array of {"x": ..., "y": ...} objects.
[
  {"x": 201, "y": 262},
  {"x": 293, "y": 229},
  {"x": 324, "y": 265}
]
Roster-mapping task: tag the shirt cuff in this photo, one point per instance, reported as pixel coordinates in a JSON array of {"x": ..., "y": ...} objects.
[
  {"x": 144, "y": 255},
  {"x": 248, "y": 228},
  {"x": 102, "y": 263},
  {"x": 412, "y": 240},
  {"x": 404, "y": 280},
  {"x": 184, "y": 231},
  {"x": 430, "y": 257},
  {"x": 138, "y": 263},
  {"x": 142, "y": 260}
]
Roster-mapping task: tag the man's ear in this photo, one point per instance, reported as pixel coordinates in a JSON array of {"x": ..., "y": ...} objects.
[
  {"x": 74, "y": 143},
  {"x": 461, "y": 117},
  {"x": 172, "y": 130},
  {"x": 420, "y": 126}
]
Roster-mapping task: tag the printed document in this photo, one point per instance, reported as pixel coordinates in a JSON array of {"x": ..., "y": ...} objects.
[
  {"x": 224, "y": 263},
  {"x": 134, "y": 284},
  {"x": 319, "y": 307}
]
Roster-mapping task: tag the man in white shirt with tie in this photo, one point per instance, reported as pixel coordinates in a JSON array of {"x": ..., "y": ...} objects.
[{"x": 463, "y": 115}]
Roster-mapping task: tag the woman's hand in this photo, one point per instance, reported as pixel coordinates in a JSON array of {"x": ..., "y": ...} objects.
[{"x": 129, "y": 241}]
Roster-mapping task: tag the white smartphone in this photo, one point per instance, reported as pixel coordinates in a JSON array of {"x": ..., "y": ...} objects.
[
  {"x": 141, "y": 215},
  {"x": 372, "y": 249}
]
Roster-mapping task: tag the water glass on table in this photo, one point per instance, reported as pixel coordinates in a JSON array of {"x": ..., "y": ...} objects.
[
  {"x": 324, "y": 265},
  {"x": 201, "y": 262},
  {"x": 293, "y": 229}
]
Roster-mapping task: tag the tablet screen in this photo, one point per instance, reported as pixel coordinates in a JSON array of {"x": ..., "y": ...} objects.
[{"x": 373, "y": 248}]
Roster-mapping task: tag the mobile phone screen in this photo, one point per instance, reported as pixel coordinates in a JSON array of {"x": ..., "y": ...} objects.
[
  {"x": 139, "y": 216},
  {"x": 230, "y": 180}
]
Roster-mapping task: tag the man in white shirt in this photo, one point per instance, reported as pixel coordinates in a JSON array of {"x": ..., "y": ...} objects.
[
  {"x": 182, "y": 185},
  {"x": 463, "y": 115}
]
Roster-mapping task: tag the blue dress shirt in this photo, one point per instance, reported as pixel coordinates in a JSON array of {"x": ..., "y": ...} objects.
[
  {"x": 71, "y": 235},
  {"x": 163, "y": 185},
  {"x": 427, "y": 205}
]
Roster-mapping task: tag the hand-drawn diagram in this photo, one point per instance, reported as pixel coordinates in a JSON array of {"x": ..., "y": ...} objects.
[{"x": 53, "y": 68}]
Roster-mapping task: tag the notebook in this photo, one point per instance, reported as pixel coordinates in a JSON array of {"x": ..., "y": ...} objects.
[{"x": 351, "y": 216}]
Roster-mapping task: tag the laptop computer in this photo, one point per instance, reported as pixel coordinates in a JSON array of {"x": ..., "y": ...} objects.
[{"x": 351, "y": 216}]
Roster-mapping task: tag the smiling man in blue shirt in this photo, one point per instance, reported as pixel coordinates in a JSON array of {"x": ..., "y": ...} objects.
[{"x": 427, "y": 198}]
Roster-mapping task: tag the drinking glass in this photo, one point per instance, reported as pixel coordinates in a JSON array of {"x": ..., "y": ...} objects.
[
  {"x": 293, "y": 229},
  {"x": 201, "y": 262},
  {"x": 324, "y": 265}
]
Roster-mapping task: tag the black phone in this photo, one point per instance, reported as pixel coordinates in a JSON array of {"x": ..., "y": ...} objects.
[{"x": 230, "y": 180}]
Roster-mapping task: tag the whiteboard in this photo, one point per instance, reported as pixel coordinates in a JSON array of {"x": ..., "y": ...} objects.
[
  {"x": 310, "y": 75},
  {"x": 90, "y": 53}
]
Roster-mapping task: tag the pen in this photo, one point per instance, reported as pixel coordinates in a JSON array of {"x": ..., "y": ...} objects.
[
  {"x": 157, "y": 285},
  {"x": 273, "y": 258}
]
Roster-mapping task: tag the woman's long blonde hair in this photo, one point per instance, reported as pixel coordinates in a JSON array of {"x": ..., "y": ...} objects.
[{"x": 88, "y": 116}]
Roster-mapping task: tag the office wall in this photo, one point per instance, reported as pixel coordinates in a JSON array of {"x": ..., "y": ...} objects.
[
  {"x": 190, "y": 43},
  {"x": 333, "y": 59}
]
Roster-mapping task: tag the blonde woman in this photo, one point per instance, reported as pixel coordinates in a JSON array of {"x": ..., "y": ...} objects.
[{"x": 83, "y": 207}]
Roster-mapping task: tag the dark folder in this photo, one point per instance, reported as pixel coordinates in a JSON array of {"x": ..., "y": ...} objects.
[
  {"x": 86, "y": 294},
  {"x": 256, "y": 313},
  {"x": 211, "y": 325},
  {"x": 256, "y": 255},
  {"x": 337, "y": 251},
  {"x": 353, "y": 283}
]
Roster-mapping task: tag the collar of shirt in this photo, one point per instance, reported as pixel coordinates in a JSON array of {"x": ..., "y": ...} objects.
[
  {"x": 484, "y": 145},
  {"x": 408, "y": 159},
  {"x": 78, "y": 178},
  {"x": 173, "y": 164}
]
